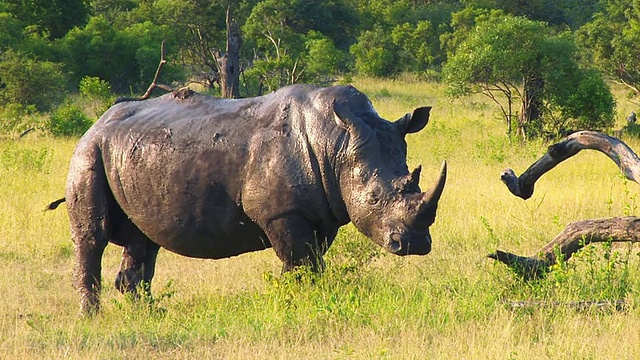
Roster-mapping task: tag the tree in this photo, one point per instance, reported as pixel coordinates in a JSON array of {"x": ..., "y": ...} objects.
[
  {"x": 284, "y": 33},
  {"x": 374, "y": 53},
  {"x": 10, "y": 30},
  {"x": 516, "y": 60},
  {"x": 400, "y": 36},
  {"x": 611, "y": 40},
  {"x": 51, "y": 17},
  {"x": 126, "y": 58},
  {"x": 229, "y": 61},
  {"x": 324, "y": 59},
  {"x": 558, "y": 14}
]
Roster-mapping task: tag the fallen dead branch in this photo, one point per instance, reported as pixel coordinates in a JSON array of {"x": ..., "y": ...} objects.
[
  {"x": 581, "y": 305},
  {"x": 628, "y": 162},
  {"x": 574, "y": 237}
]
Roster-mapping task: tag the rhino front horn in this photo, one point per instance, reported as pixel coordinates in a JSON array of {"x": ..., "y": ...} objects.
[{"x": 433, "y": 195}]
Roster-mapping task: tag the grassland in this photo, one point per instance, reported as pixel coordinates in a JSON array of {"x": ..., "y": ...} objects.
[{"x": 451, "y": 304}]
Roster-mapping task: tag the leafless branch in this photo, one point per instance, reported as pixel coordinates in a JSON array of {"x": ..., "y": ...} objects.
[
  {"x": 581, "y": 233},
  {"x": 614, "y": 148},
  {"x": 154, "y": 83}
]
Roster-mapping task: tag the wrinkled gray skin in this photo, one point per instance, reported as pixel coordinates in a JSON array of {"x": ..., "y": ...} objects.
[{"x": 214, "y": 178}]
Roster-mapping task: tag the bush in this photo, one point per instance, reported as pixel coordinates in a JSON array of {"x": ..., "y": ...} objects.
[
  {"x": 68, "y": 120},
  {"x": 581, "y": 101},
  {"x": 30, "y": 82},
  {"x": 26, "y": 159},
  {"x": 374, "y": 54}
]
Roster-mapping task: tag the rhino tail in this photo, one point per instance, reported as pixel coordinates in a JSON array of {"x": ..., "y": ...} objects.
[{"x": 54, "y": 205}]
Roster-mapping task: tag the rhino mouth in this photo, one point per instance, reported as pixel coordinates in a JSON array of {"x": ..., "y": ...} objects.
[{"x": 409, "y": 244}]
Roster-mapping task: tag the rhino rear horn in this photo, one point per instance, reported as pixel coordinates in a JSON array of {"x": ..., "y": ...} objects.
[{"x": 414, "y": 178}]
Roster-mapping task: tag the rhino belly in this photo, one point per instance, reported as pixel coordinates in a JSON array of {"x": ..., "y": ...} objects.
[
  {"x": 196, "y": 217},
  {"x": 216, "y": 236}
]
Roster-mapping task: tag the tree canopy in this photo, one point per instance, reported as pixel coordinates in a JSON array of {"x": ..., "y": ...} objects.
[{"x": 532, "y": 74}]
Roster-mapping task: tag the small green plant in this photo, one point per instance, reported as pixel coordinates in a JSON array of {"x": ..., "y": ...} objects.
[
  {"x": 383, "y": 93},
  {"x": 493, "y": 149},
  {"x": 630, "y": 204},
  {"x": 68, "y": 120},
  {"x": 595, "y": 273},
  {"x": 632, "y": 129},
  {"x": 352, "y": 253}
]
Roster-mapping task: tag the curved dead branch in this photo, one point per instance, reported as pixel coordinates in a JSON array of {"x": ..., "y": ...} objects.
[
  {"x": 628, "y": 162},
  {"x": 580, "y": 233}
]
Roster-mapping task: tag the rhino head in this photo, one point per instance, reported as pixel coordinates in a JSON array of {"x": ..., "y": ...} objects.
[{"x": 383, "y": 199}]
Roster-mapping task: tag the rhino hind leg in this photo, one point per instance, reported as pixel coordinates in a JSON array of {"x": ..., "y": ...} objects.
[
  {"x": 137, "y": 267},
  {"x": 88, "y": 198}
]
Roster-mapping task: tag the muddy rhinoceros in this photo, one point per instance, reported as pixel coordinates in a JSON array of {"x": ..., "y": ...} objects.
[{"x": 213, "y": 178}]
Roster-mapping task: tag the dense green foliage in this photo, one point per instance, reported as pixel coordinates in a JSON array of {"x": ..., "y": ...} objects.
[
  {"x": 612, "y": 37},
  {"x": 322, "y": 42}
]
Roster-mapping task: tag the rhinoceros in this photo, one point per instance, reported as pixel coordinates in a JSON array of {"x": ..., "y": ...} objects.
[{"x": 213, "y": 178}]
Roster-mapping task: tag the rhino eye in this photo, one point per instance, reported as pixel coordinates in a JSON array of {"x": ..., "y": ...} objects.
[
  {"x": 360, "y": 173},
  {"x": 374, "y": 196}
]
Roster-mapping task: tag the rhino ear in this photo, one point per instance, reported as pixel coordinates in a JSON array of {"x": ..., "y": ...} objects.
[
  {"x": 415, "y": 122},
  {"x": 357, "y": 128}
]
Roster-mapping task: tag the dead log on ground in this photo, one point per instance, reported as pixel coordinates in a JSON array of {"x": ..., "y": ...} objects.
[
  {"x": 575, "y": 236},
  {"x": 581, "y": 233},
  {"x": 581, "y": 305}
]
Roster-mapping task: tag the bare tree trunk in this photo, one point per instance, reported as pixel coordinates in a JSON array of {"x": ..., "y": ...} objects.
[
  {"x": 531, "y": 103},
  {"x": 229, "y": 62},
  {"x": 577, "y": 234}
]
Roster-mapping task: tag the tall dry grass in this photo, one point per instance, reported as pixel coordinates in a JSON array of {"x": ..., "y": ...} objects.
[{"x": 368, "y": 304}]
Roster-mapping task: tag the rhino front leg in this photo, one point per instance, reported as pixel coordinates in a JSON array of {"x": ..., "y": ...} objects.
[
  {"x": 295, "y": 241},
  {"x": 137, "y": 266}
]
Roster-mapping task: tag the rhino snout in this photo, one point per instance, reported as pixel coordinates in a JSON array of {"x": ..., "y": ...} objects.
[{"x": 409, "y": 244}]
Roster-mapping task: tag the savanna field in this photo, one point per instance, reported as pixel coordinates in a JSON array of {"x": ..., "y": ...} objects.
[{"x": 451, "y": 304}]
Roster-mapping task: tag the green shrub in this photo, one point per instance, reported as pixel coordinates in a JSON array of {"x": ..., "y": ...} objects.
[
  {"x": 26, "y": 159},
  {"x": 95, "y": 88},
  {"x": 68, "y": 120}
]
